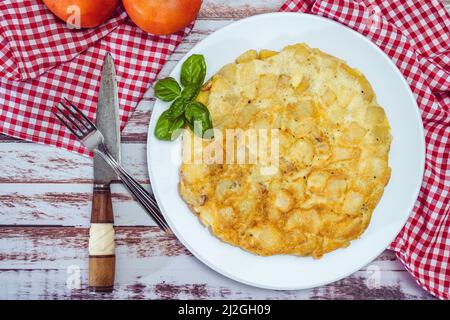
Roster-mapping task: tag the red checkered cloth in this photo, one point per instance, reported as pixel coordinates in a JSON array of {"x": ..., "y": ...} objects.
[
  {"x": 42, "y": 59},
  {"x": 416, "y": 35}
]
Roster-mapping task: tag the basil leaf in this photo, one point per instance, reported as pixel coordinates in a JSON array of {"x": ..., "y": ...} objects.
[
  {"x": 167, "y": 129},
  {"x": 193, "y": 71},
  {"x": 176, "y": 127},
  {"x": 198, "y": 118},
  {"x": 177, "y": 108},
  {"x": 167, "y": 89},
  {"x": 190, "y": 92}
]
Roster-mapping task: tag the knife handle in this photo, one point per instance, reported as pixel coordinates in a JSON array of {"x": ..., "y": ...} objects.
[{"x": 102, "y": 259}]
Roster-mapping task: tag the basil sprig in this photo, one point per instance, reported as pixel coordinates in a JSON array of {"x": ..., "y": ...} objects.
[{"x": 183, "y": 110}]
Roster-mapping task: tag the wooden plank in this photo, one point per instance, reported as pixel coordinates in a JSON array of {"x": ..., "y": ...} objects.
[
  {"x": 37, "y": 163},
  {"x": 237, "y": 9},
  {"x": 65, "y": 205},
  {"x": 193, "y": 282},
  {"x": 137, "y": 127},
  {"x": 47, "y": 247},
  {"x": 37, "y": 263}
]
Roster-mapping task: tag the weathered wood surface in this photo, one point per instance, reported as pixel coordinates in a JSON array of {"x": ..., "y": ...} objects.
[
  {"x": 45, "y": 202},
  {"x": 43, "y": 262}
]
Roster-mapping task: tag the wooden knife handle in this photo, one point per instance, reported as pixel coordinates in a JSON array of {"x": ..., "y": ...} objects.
[{"x": 102, "y": 259}]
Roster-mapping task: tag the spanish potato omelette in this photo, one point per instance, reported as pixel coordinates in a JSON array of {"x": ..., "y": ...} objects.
[{"x": 334, "y": 141}]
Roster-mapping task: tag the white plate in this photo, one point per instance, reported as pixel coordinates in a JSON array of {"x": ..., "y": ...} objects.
[{"x": 274, "y": 31}]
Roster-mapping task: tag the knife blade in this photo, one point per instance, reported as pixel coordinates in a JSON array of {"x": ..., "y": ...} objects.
[
  {"x": 101, "y": 235},
  {"x": 107, "y": 121}
]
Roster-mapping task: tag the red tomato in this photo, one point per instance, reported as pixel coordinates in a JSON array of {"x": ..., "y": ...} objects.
[
  {"x": 83, "y": 13},
  {"x": 162, "y": 17}
]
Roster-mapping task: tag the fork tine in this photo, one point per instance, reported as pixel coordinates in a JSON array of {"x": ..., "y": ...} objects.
[
  {"x": 80, "y": 113},
  {"x": 76, "y": 117},
  {"x": 72, "y": 121},
  {"x": 68, "y": 126}
]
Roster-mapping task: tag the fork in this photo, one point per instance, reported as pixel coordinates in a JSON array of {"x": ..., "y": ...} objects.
[{"x": 88, "y": 134}]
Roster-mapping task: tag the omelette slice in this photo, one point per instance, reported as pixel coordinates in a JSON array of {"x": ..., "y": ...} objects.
[{"x": 333, "y": 145}]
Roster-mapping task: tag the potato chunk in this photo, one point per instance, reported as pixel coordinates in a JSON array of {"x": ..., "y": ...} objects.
[
  {"x": 247, "y": 56},
  {"x": 305, "y": 220},
  {"x": 352, "y": 203},
  {"x": 264, "y": 54}
]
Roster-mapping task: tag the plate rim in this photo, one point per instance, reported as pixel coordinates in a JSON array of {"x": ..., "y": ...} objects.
[{"x": 421, "y": 143}]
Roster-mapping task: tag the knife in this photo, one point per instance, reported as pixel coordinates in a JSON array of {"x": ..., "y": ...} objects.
[{"x": 101, "y": 234}]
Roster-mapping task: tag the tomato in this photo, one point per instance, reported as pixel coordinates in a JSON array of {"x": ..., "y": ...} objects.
[
  {"x": 162, "y": 17},
  {"x": 83, "y": 13}
]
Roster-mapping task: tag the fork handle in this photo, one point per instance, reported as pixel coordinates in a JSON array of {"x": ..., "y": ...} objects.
[
  {"x": 102, "y": 259},
  {"x": 145, "y": 199}
]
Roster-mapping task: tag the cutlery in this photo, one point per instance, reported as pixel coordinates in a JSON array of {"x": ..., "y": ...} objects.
[
  {"x": 101, "y": 235},
  {"x": 104, "y": 140},
  {"x": 85, "y": 130}
]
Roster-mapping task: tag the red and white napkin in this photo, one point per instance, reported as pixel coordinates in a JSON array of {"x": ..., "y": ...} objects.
[
  {"x": 41, "y": 60},
  {"x": 416, "y": 35}
]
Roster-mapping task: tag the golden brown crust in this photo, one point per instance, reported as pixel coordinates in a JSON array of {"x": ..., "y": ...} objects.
[{"x": 333, "y": 165}]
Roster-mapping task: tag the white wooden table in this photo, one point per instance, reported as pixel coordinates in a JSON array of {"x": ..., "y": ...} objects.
[{"x": 45, "y": 199}]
